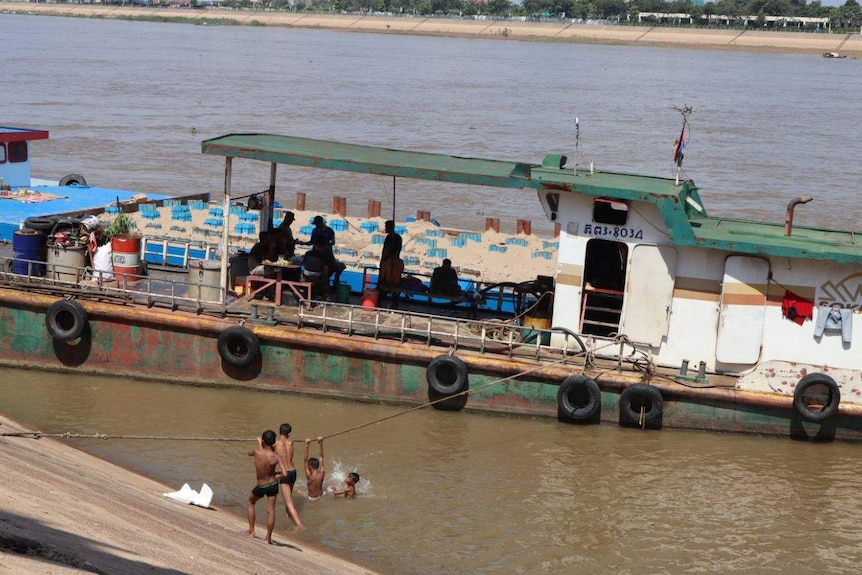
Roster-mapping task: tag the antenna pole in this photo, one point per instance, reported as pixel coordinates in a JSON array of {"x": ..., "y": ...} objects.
[{"x": 577, "y": 141}]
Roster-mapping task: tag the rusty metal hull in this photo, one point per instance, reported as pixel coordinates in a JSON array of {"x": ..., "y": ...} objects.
[{"x": 174, "y": 346}]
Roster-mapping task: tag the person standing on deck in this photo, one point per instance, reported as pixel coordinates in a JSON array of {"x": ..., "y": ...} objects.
[
  {"x": 284, "y": 449},
  {"x": 289, "y": 242},
  {"x": 391, "y": 265}
]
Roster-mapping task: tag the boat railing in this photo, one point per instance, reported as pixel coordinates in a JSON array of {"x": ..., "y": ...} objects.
[
  {"x": 143, "y": 289},
  {"x": 483, "y": 335}
]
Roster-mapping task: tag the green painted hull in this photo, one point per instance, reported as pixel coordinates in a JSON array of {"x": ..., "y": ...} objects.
[{"x": 137, "y": 342}]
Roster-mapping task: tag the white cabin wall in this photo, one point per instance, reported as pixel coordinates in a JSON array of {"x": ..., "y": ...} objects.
[
  {"x": 17, "y": 174},
  {"x": 829, "y": 282}
]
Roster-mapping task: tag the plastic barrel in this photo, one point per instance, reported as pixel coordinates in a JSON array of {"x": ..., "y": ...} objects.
[
  {"x": 126, "y": 256},
  {"x": 369, "y": 298},
  {"x": 64, "y": 260},
  {"x": 27, "y": 244},
  {"x": 204, "y": 279},
  {"x": 342, "y": 293}
]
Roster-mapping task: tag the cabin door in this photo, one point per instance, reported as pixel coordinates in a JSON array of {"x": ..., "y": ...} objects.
[
  {"x": 650, "y": 292},
  {"x": 604, "y": 280},
  {"x": 742, "y": 311}
]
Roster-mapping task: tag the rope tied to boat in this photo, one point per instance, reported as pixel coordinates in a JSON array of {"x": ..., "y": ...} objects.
[{"x": 106, "y": 436}]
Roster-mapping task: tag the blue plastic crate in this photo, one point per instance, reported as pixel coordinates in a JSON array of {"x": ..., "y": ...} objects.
[
  {"x": 436, "y": 253},
  {"x": 458, "y": 243},
  {"x": 550, "y": 245},
  {"x": 431, "y": 243},
  {"x": 370, "y": 227},
  {"x": 338, "y": 225},
  {"x": 472, "y": 236},
  {"x": 217, "y": 212},
  {"x": 378, "y": 239},
  {"x": 112, "y": 210},
  {"x": 410, "y": 219},
  {"x": 196, "y": 204},
  {"x": 544, "y": 255},
  {"x": 401, "y": 230},
  {"x": 306, "y": 230},
  {"x": 411, "y": 260},
  {"x": 516, "y": 242},
  {"x": 501, "y": 249},
  {"x": 434, "y": 233}
]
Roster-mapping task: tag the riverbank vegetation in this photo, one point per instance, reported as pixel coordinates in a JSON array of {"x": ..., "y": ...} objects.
[{"x": 783, "y": 14}]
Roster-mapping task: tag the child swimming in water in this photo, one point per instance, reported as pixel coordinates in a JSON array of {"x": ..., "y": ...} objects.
[{"x": 349, "y": 492}]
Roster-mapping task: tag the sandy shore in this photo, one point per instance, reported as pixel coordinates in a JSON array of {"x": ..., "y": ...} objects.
[
  {"x": 792, "y": 42},
  {"x": 63, "y": 512}
]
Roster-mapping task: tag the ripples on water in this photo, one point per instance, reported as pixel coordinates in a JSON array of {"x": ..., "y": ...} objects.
[
  {"x": 128, "y": 103},
  {"x": 469, "y": 493}
]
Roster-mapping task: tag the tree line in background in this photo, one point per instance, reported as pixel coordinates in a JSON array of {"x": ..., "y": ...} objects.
[{"x": 848, "y": 16}]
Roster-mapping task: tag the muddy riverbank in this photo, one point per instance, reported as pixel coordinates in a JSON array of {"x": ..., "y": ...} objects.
[{"x": 63, "y": 511}]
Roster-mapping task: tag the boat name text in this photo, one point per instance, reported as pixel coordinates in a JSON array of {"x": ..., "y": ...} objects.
[{"x": 614, "y": 231}]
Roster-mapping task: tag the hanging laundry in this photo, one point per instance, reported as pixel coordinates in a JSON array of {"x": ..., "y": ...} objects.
[
  {"x": 796, "y": 308},
  {"x": 834, "y": 318}
]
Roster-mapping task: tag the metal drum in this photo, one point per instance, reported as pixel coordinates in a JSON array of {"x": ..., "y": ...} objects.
[{"x": 28, "y": 244}]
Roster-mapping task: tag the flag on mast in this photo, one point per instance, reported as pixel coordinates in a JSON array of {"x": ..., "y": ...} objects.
[{"x": 678, "y": 146}]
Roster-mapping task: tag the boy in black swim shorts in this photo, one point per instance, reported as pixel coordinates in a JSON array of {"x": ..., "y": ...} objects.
[
  {"x": 284, "y": 449},
  {"x": 265, "y": 462}
]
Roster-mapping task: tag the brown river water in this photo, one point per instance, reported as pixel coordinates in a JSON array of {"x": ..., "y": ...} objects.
[{"x": 127, "y": 104}]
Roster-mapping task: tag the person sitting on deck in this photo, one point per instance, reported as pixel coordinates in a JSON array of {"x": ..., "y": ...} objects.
[
  {"x": 444, "y": 280},
  {"x": 326, "y": 235},
  {"x": 317, "y": 264},
  {"x": 258, "y": 253}
]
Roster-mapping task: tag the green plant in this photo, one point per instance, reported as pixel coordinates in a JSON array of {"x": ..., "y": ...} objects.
[{"x": 122, "y": 224}]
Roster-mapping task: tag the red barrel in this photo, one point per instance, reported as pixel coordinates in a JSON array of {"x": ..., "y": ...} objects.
[{"x": 126, "y": 257}]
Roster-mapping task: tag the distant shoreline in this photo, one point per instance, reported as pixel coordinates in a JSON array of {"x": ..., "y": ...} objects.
[{"x": 692, "y": 38}]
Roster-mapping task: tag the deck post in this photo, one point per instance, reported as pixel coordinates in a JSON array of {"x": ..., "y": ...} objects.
[{"x": 226, "y": 229}]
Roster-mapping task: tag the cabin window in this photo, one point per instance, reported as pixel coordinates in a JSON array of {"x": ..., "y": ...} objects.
[
  {"x": 611, "y": 212},
  {"x": 2, "y": 153},
  {"x": 17, "y": 152},
  {"x": 553, "y": 204}
]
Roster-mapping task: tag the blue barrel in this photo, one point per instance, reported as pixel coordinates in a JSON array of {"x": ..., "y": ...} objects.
[{"x": 27, "y": 245}]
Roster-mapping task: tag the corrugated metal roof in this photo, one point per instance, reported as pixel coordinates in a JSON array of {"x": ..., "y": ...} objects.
[{"x": 676, "y": 201}]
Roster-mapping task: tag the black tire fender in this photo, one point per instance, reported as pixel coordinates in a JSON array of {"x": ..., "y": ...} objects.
[
  {"x": 641, "y": 396},
  {"x": 73, "y": 180},
  {"x": 801, "y": 405},
  {"x": 447, "y": 375},
  {"x": 238, "y": 346},
  {"x": 579, "y": 398},
  {"x": 65, "y": 320},
  {"x": 44, "y": 225}
]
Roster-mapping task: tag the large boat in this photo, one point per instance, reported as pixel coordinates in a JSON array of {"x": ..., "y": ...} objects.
[{"x": 658, "y": 316}]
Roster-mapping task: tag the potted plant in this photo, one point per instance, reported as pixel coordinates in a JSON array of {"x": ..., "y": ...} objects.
[{"x": 125, "y": 246}]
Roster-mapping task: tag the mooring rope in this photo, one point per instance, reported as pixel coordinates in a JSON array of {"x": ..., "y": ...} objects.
[{"x": 106, "y": 436}]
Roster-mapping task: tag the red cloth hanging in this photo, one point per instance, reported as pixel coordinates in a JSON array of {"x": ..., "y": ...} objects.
[{"x": 796, "y": 308}]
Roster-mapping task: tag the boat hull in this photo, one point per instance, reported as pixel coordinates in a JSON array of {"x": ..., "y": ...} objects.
[{"x": 133, "y": 341}]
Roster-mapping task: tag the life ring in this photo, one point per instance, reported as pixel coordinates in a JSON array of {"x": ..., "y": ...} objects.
[
  {"x": 447, "y": 375},
  {"x": 65, "y": 320},
  {"x": 73, "y": 180},
  {"x": 638, "y": 398},
  {"x": 800, "y": 404},
  {"x": 238, "y": 346},
  {"x": 578, "y": 398}
]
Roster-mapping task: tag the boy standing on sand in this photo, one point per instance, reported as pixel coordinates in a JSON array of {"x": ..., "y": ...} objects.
[
  {"x": 315, "y": 471},
  {"x": 284, "y": 449},
  {"x": 265, "y": 461}
]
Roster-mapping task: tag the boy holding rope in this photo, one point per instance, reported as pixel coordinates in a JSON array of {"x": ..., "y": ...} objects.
[
  {"x": 315, "y": 471},
  {"x": 284, "y": 449},
  {"x": 265, "y": 462}
]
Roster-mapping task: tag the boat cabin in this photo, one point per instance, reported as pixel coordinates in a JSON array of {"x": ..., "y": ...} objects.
[{"x": 15, "y": 154}]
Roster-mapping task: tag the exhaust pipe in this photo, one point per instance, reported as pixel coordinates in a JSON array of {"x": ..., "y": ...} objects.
[{"x": 788, "y": 220}]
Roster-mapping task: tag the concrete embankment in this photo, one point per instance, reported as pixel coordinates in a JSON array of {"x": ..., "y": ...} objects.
[
  {"x": 791, "y": 42},
  {"x": 63, "y": 511}
]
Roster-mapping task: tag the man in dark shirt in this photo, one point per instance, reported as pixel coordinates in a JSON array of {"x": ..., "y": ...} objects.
[
  {"x": 325, "y": 236},
  {"x": 391, "y": 265},
  {"x": 317, "y": 265},
  {"x": 288, "y": 241},
  {"x": 444, "y": 279}
]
